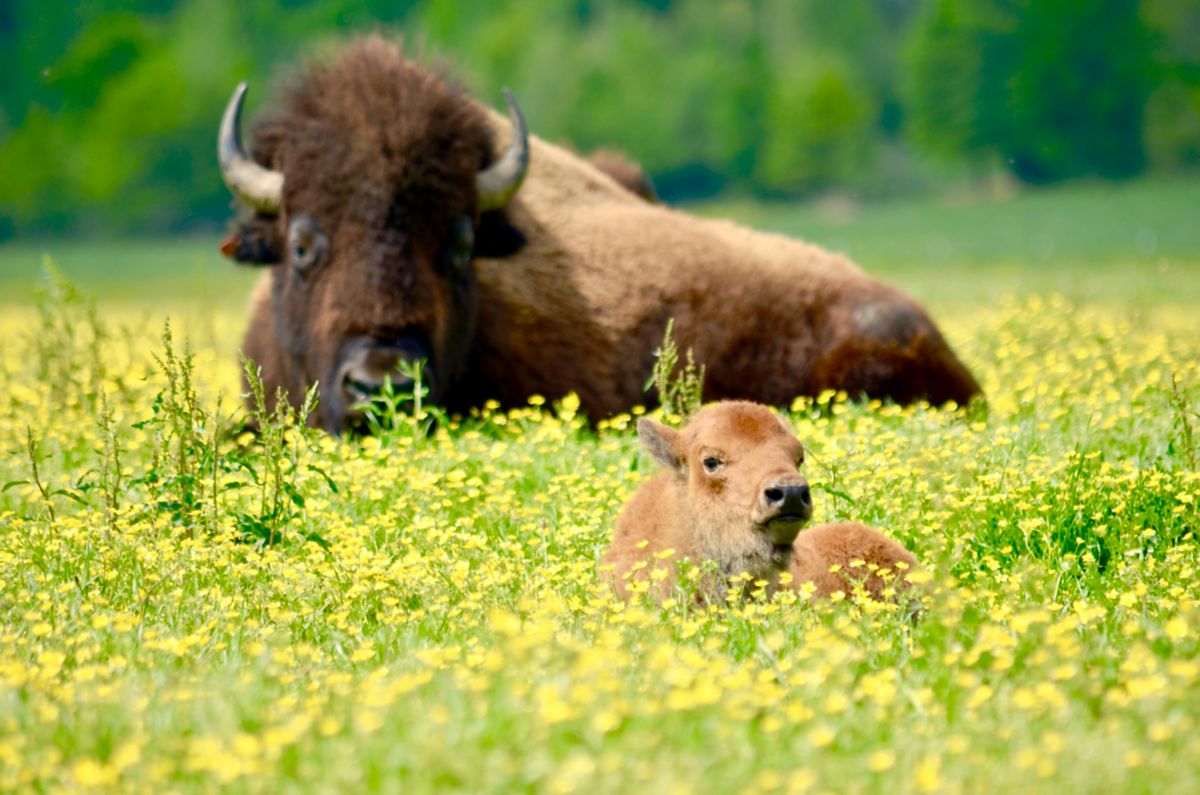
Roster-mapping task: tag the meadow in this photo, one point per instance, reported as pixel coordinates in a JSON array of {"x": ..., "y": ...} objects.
[{"x": 184, "y": 607}]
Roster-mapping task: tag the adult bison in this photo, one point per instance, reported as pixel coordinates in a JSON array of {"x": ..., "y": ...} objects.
[
  {"x": 395, "y": 233},
  {"x": 627, "y": 172}
]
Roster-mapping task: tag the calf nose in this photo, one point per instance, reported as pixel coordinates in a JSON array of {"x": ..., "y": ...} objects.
[{"x": 788, "y": 498}]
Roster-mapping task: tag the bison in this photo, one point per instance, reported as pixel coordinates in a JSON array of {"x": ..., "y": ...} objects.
[
  {"x": 731, "y": 494},
  {"x": 625, "y": 171},
  {"x": 395, "y": 232}
]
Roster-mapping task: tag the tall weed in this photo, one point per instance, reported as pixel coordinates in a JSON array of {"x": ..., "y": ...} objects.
[
  {"x": 276, "y": 464},
  {"x": 680, "y": 393}
]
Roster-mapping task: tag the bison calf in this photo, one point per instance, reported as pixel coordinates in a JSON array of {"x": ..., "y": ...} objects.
[{"x": 732, "y": 495}]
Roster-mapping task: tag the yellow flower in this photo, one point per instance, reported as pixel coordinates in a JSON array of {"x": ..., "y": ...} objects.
[
  {"x": 927, "y": 777},
  {"x": 89, "y": 773},
  {"x": 605, "y": 721},
  {"x": 821, "y": 736},
  {"x": 1176, "y": 628},
  {"x": 881, "y": 760}
]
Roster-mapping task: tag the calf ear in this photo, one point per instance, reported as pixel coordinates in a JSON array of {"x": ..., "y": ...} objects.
[
  {"x": 254, "y": 242},
  {"x": 661, "y": 442},
  {"x": 496, "y": 237}
]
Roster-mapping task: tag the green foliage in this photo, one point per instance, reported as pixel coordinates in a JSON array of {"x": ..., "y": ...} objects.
[
  {"x": 1184, "y": 444},
  {"x": 107, "y": 114},
  {"x": 1173, "y": 126},
  {"x": 34, "y": 457},
  {"x": 186, "y": 455},
  {"x": 402, "y": 414},
  {"x": 820, "y": 128},
  {"x": 1172, "y": 135},
  {"x": 680, "y": 390},
  {"x": 67, "y": 341},
  {"x": 1055, "y": 89},
  {"x": 111, "y": 473},
  {"x": 188, "y": 472},
  {"x": 276, "y": 468}
]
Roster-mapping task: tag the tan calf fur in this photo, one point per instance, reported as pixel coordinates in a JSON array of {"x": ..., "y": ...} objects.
[
  {"x": 732, "y": 494},
  {"x": 863, "y": 554}
]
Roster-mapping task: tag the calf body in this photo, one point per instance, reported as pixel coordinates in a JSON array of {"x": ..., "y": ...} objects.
[
  {"x": 732, "y": 495},
  {"x": 860, "y": 554}
]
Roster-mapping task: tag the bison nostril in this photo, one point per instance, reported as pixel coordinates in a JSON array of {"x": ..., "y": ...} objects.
[
  {"x": 372, "y": 369},
  {"x": 362, "y": 387},
  {"x": 359, "y": 384},
  {"x": 773, "y": 495}
]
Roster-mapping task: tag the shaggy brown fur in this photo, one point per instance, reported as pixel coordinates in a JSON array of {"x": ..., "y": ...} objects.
[
  {"x": 722, "y": 499},
  {"x": 381, "y": 153},
  {"x": 625, "y": 171}
]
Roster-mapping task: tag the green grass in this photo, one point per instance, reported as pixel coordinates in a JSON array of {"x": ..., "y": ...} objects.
[
  {"x": 183, "y": 609},
  {"x": 1089, "y": 242},
  {"x": 146, "y": 272},
  {"x": 1097, "y": 241}
]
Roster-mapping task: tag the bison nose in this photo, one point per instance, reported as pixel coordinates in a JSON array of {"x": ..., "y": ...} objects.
[
  {"x": 788, "y": 499},
  {"x": 360, "y": 385},
  {"x": 367, "y": 366}
]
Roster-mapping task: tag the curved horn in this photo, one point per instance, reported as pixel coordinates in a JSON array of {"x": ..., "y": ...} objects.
[
  {"x": 258, "y": 187},
  {"x": 499, "y": 182}
]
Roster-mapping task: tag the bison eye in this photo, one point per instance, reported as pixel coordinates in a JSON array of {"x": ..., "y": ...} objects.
[
  {"x": 307, "y": 245},
  {"x": 457, "y": 253},
  {"x": 712, "y": 463}
]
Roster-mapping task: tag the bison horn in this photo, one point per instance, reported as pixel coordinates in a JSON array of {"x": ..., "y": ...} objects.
[
  {"x": 499, "y": 182},
  {"x": 258, "y": 187}
]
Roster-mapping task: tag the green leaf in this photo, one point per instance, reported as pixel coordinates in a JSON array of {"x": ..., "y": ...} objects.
[{"x": 328, "y": 480}]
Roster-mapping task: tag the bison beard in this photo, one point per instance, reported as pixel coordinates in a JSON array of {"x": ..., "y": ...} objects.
[{"x": 564, "y": 285}]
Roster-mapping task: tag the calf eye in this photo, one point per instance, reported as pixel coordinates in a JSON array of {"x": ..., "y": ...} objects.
[
  {"x": 306, "y": 243},
  {"x": 712, "y": 463}
]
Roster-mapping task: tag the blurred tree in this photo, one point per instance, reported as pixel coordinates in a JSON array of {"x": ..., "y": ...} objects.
[
  {"x": 827, "y": 84},
  {"x": 1172, "y": 123},
  {"x": 819, "y": 121},
  {"x": 1057, "y": 88},
  {"x": 108, "y": 111}
]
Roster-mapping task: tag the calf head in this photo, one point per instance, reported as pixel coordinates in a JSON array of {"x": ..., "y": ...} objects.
[
  {"x": 741, "y": 493},
  {"x": 373, "y": 186}
]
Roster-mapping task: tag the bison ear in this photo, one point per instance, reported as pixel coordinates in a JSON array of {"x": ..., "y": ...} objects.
[
  {"x": 661, "y": 442},
  {"x": 496, "y": 237},
  {"x": 254, "y": 242}
]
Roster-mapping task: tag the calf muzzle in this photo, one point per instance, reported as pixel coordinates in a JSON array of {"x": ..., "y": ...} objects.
[
  {"x": 788, "y": 499},
  {"x": 785, "y": 505}
]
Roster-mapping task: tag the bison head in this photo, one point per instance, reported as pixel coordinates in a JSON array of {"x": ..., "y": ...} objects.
[
  {"x": 373, "y": 187},
  {"x": 737, "y": 463}
]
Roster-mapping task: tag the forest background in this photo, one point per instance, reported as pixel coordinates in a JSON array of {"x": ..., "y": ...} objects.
[{"x": 108, "y": 111}]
